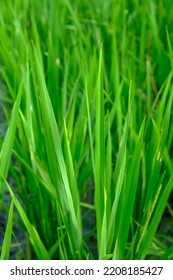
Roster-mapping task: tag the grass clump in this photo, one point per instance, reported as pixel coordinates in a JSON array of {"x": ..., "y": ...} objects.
[{"x": 87, "y": 156}]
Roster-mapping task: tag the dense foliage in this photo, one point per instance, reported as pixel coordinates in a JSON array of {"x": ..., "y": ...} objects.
[{"x": 86, "y": 95}]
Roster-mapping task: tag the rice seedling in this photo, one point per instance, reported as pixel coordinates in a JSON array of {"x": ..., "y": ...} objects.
[{"x": 86, "y": 160}]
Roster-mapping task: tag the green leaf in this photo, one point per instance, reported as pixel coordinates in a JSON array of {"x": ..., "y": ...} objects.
[
  {"x": 6, "y": 150},
  {"x": 6, "y": 246},
  {"x": 39, "y": 247}
]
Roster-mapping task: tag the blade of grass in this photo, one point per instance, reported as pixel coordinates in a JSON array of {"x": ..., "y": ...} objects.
[
  {"x": 147, "y": 239},
  {"x": 39, "y": 247},
  {"x": 130, "y": 194},
  {"x": 7, "y": 146},
  {"x": 99, "y": 153},
  {"x": 5, "y": 253}
]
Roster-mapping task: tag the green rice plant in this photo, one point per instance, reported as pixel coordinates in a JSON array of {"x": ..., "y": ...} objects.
[
  {"x": 35, "y": 239},
  {"x": 89, "y": 88},
  {"x": 7, "y": 145}
]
